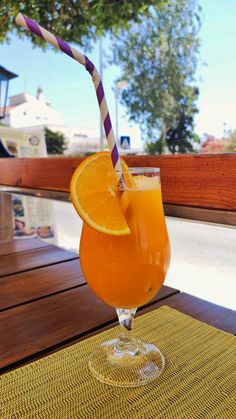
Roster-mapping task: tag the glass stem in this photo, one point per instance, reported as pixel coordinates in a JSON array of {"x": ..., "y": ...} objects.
[{"x": 126, "y": 344}]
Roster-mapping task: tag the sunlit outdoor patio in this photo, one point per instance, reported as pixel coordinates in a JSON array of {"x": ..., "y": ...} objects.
[{"x": 117, "y": 239}]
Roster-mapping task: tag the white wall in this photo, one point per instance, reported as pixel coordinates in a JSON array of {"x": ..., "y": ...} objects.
[{"x": 33, "y": 113}]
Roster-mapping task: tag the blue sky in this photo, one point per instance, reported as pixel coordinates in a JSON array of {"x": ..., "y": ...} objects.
[
  {"x": 67, "y": 86},
  {"x": 217, "y": 101}
]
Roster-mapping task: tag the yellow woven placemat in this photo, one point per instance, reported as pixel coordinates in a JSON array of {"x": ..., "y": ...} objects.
[{"x": 199, "y": 380}]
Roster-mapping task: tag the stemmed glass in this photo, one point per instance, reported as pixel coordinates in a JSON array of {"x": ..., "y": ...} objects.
[{"x": 126, "y": 272}]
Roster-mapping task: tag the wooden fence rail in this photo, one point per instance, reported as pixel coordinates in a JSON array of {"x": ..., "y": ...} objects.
[{"x": 198, "y": 186}]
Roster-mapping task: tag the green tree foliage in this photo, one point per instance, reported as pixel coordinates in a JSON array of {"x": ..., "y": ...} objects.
[
  {"x": 77, "y": 21},
  {"x": 55, "y": 142},
  {"x": 158, "y": 58},
  {"x": 182, "y": 138}
]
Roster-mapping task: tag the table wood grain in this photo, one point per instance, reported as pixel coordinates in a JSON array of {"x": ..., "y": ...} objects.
[
  {"x": 39, "y": 283},
  {"x": 20, "y": 245},
  {"x": 33, "y": 259}
]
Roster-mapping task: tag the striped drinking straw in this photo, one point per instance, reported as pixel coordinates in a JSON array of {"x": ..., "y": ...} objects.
[{"x": 82, "y": 59}]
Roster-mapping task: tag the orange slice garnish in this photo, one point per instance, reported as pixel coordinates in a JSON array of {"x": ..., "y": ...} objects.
[{"x": 94, "y": 193}]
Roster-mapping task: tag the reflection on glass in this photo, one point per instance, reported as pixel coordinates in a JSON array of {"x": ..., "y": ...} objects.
[{"x": 33, "y": 217}]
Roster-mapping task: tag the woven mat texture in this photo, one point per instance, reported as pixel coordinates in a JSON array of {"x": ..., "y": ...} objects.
[{"x": 199, "y": 380}]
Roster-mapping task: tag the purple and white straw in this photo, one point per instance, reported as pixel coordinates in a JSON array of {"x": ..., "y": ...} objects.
[{"x": 82, "y": 59}]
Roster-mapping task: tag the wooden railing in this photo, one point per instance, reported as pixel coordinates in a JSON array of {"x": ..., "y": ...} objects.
[{"x": 201, "y": 187}]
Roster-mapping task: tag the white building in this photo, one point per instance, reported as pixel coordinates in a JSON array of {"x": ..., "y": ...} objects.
[
  {"x": 28, "y": 112},
  {"x": 25, "y": 110}
]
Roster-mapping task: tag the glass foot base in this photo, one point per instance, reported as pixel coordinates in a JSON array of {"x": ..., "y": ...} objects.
[{"x": 129, "y": 369}]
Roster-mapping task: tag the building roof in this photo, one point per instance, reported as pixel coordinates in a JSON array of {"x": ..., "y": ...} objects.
[
  {"x": 8, "y": 74},
  {"x": 25, "y": 97}
]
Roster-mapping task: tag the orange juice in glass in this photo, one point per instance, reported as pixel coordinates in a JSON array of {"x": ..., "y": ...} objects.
[
  {"x": 125, "y": 254},
  {"x": 127, "y": 271}
]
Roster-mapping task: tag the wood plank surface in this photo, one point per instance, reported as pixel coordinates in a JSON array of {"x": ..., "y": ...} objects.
[
  {"x": 49, "y": 322},
  {"x": 217, "y": 316},
  {"x": 21, "y": 245},
  {"x": 200, "y": 180},
  {"x": 30, "y": 285},
  {"x": 32, "y": 259}
]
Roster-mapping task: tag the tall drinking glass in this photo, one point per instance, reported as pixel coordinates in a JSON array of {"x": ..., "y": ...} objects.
[{"x": 126, "y": 272}]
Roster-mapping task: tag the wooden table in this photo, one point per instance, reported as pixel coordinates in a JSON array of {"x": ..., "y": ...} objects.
[{"x": 45, "y": 303}]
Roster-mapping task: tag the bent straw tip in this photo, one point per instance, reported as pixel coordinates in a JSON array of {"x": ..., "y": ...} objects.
[{"x": 19, "y": 19}]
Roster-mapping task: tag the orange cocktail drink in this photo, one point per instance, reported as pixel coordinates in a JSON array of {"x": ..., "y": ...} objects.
[
  {"x": 127, "y": 271},
  {"x": 125, "y": 254}
]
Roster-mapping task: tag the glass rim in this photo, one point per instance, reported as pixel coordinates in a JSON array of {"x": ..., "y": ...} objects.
[
  {"x": 144, "y": 169},
  {"x": 141, "y": 170}
]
